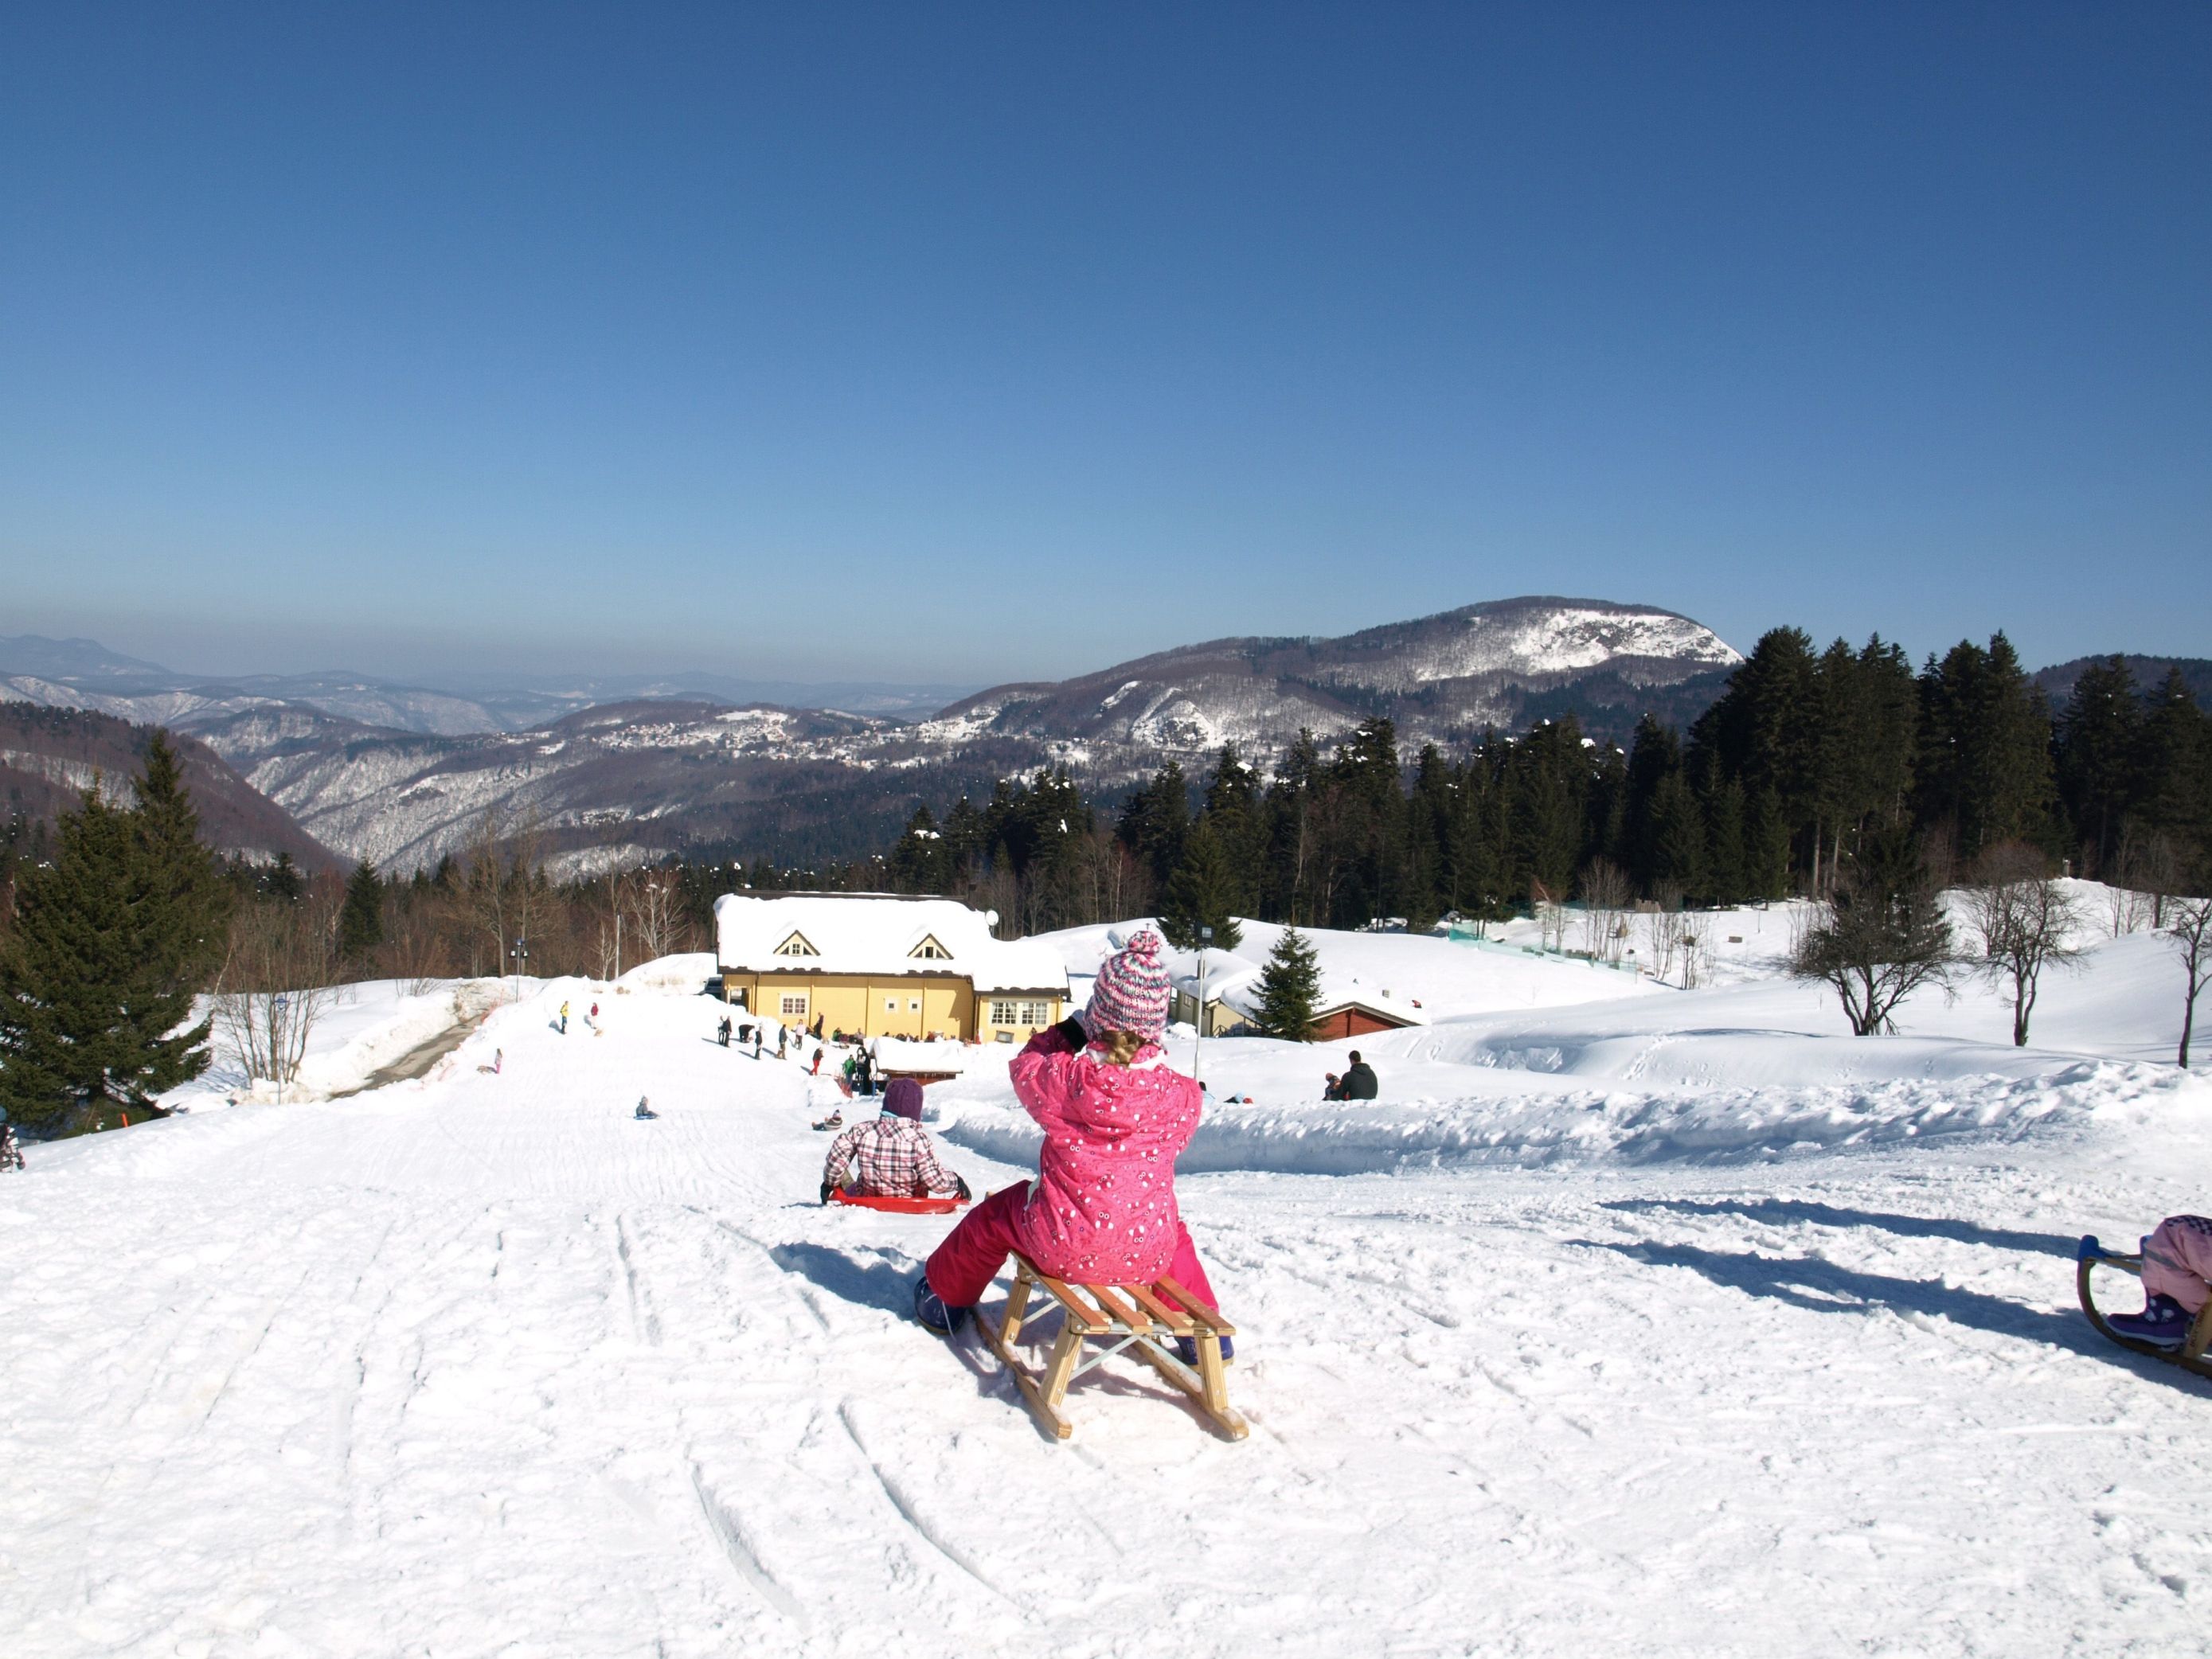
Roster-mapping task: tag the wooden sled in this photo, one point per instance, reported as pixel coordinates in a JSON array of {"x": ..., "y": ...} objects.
[
  {"x": 944, "y": 1206},
  {"x": 2189, "y": 1356},
  {"x": 1142, "y": 1318}
]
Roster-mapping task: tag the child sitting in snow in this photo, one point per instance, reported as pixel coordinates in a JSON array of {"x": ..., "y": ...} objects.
[
  {"x": 2177, "y": 1279},
  {"x": 1103, "y": 1207},
  {"x": 891, "y": 1155}
]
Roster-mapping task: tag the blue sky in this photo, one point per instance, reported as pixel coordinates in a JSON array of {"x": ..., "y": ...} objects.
[{"x": 986, "y": 342}]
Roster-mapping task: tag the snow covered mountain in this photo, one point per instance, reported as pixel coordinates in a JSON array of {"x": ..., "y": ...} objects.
[
  {"x": 621, "y": 783},
  {"x": 1438, "y": 677}
]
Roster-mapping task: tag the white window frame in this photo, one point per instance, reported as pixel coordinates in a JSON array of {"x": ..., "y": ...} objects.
[{"x": 793, "y": 1002}]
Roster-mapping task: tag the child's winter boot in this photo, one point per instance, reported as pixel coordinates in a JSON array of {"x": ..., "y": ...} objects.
[
  {"x": 1187, "y": 1350},
  {"x": 929, "y": 1308},
  {"x": 2163, "y": 1320}
]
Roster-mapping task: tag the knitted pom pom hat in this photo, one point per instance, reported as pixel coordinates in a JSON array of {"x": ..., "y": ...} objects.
[
  {"x": 903, "y": 1098},
  {"x": 1131, "y": 994}
]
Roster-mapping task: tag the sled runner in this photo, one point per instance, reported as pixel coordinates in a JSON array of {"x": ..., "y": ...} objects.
[
  {"x": 945, "y": 1205},
  {"x": 1139, "y": 1317},
  {"x": 2189, "y": 1356}
]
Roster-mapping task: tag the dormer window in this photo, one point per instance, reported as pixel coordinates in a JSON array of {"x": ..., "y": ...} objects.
[
  {"x": 930, "y": 950},
  {"x": 797, "y": 945}
]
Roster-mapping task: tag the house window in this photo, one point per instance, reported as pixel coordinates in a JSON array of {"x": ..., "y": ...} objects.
[
  {"x": 891, "y": 1005},
  {"x": 1004, "y": 1013},
  {"x": 795, "y": 1003},
  {"x": 796, "y": 945},
  {"x": 1033, "y": 1013},
  {"x": 930, "y": 950},
  {"x": 1020, "y": 1013},
  {"x": 913, "y": 1005}
]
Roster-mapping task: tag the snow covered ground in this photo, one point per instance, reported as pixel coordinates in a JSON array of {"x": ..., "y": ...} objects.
[{"x": 1628, "y": 1320}]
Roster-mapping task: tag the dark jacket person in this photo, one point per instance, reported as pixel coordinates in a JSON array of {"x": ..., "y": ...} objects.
[{"x": 1359, "y": 1082}]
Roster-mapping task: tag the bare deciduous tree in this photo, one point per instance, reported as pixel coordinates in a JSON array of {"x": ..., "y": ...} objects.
[
  {"x": 2024, "y": 922},
  {"x": 274, "y": 986},
  {"x": 2189, "y": 926},
  {"x": 653, "y": 914},
  {"x": 1605, "y": 901},
  {"x": 1662, "y": 929}
]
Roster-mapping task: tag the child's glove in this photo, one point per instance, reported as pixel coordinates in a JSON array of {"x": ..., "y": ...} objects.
[
  {"x": 960, "y": 1185},
  {"x": 826, "y": 1190}
]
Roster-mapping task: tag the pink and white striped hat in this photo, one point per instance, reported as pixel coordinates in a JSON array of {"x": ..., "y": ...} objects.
[{"x": 1131, "y": 994}]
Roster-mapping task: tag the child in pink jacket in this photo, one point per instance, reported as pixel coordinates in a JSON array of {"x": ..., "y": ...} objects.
[
  {"x": 1103, "y": 1207},
  {"x": 2176, "y": 1281}
]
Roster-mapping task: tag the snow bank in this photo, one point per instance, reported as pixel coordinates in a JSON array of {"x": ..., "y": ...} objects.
[
  {"x": 684, "y": 973},
  {"x": 1730, "y": 1125}
]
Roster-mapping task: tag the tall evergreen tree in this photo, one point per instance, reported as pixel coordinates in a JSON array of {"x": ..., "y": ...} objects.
[
  {"x": 360, "y": 918},
  {"x": 1202, "y": 893},
  {"x": 1764, "y": 732},
  {"x": 2099, "y": 760},
  {"x": 2174, "y": 771},
  {"x": 1290, "y": 990},
  {"x": 1727, "y": 872},
  {"x": 1985, "y": 775},
  {"x": 1155, "y": 820},
  {"x": 112, "y": 940},
  {"x": 1678, "y": 837},
  {"x": 921, "y": 862}
]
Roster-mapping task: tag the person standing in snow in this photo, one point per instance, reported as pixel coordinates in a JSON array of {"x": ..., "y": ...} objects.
[
  {"x": 564, "y": 1019},
  {"x": 864, "y": 1074},
  {"x": 12, "y": 1155},
  {"x": 1359, "y": 1081},
  {"x": 722, "y": 1031},
  {"x": 2176, "y": 1281},
  {"x": 782, "y": 1039},
  {"x": 1103, "y": 1207},
  {"x": 815, "y": 1069},
  {"x": 891, "y": 1155}
]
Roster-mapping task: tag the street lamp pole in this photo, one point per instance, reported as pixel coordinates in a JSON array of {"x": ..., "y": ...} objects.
[
  {"x": 1198, "y": 1044},
  {"x": 519, "y": 955}
]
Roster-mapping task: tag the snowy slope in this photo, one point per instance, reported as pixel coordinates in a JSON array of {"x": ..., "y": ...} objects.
[{"x": 481, "y": 1365}]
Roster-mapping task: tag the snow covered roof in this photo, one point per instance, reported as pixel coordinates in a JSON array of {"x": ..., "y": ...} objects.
[
  {"x": 1338, "y": 992},
  {"x": 877, "y": 933},
  {"x": 907, "y": 1055}
]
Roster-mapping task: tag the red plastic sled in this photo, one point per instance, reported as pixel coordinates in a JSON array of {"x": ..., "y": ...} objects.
[{"x": 898, "y": 1206}]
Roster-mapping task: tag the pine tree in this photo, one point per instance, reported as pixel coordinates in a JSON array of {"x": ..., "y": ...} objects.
[
  {"x": 111, "y": 939},
  {"x": 1155, "y": 820},
  {"x": 2174, "y": 768},
  {"x": 1678, "y": 835},
  {"x": 1202, "y": 893},
  {"x": 1726, "y": 873},
  {"x": 2099, "y": 742},
  {"x": 1766, "y": 847},
  {"x": 282, "y": 880},
  {"x": 361, "y": 918},
  {"x": 1290, "y": 989}
]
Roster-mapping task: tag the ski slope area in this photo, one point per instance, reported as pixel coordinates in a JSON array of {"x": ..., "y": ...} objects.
[{"x": 1566, "y": 1342}]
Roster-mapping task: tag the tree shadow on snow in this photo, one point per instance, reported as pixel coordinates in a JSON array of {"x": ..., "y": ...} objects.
[
  {"x": 886, "y": 1282},
  {"x": 1824, "y": 1287},
  {"x": 1827, "y": 1215}
]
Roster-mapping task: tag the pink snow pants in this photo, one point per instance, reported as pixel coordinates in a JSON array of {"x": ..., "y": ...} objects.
[
  {"x": 961, "y": 1269},
  {"x": 2177, "y": 1260}
]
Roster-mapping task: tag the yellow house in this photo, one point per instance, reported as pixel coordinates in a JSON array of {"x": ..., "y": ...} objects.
[{"x": 881, "y": 964}]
